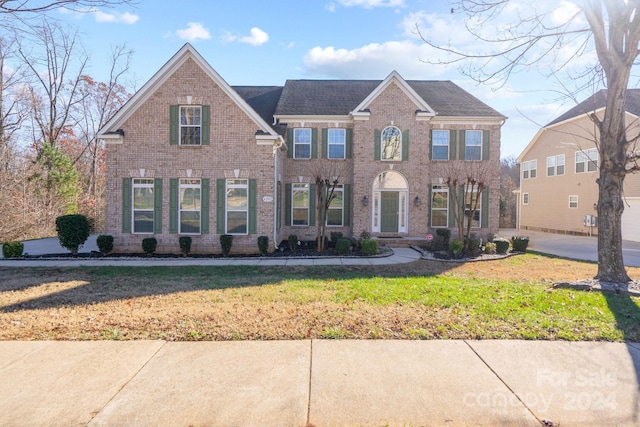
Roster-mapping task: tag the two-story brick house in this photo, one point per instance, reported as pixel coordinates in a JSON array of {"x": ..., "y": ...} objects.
[
  {"x": 190, "y": 155},
  {"x": 559, "y": 169}
]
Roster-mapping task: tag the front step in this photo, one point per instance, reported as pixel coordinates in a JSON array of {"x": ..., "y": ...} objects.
[{"x": 400, "y": 241}]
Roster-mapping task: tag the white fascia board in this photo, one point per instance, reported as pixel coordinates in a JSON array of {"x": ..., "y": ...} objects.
[
  {"x": 313, "y": 119},
  {"x": 467, "y": 120}
]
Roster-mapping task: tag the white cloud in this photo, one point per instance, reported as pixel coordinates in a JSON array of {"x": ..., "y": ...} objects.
[
  {"x": 370, "y": 4},
  {"x": 257, "y": 37},
  {"x": 124, "y": 18},
  {"x": 194, "y": 31}
]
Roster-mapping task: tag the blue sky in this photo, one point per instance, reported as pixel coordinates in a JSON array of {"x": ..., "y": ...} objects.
[{"x": 258, "y": 42}]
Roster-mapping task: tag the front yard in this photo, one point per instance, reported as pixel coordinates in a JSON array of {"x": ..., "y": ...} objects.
[{"x": 505, "y": 299}]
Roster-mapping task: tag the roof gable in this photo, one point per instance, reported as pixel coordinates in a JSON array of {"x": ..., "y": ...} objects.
[{"x": 185, "y": 53}]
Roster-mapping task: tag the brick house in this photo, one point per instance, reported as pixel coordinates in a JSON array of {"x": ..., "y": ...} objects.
[
  {"x": 559, "y": 168},
  {"x": 190, "y": 155}
]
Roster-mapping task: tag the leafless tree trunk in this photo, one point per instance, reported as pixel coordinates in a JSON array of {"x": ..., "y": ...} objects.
[{"x": 328, "y": 175}]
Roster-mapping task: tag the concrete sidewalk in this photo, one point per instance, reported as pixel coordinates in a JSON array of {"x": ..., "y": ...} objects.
[{"x": 319, "y": 383}]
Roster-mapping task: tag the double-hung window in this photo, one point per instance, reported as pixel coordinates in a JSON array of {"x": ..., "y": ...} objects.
[
  {"x": 525, "y": 198},
  {"x": 302, "y": 143},
  {"x": 555, "y": 165},
  {"x": 440, "y": 144},
  {"x": 473, "y": 200},
  {"x": 391, "y": 144},
  {"x": 237, "y": 206},
  {"x": 439, "y": 206},
  {"x": 143, "y": 205},
  {"x": 473, "y": 145},
  {"x": 190, "y": 125},
  {"x": 300, "y": 206},
  {"x": 335, "y": 213},
  {"x": 529, "y": 169},
  {"x": 190, "y": 206},
  {"x": 336, "y": 139},
  {"x": 573, "y": 202},
  {"x": 587, "y": 160}
]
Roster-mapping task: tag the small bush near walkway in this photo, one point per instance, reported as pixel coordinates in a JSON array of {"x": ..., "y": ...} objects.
[
  {"x": 73, "y": 231},
  {"x": 12, "y": 249}
]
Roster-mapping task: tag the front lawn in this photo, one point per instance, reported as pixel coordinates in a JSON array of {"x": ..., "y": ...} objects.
[{"x": 505, "y": 299}]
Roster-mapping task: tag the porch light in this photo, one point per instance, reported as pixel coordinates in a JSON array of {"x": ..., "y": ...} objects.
[
  {"x": 417, "y": 202},
  {"x": 365, "y": 201}
]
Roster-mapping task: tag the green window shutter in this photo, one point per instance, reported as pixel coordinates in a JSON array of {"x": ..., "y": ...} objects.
[
  {"x": 486, "y": 144},
  {"x": 430, "y": 148},
  {"x": 173, "y": 125},
  {"x": 346, "y": 200},
  {"x": 348, "y": 149},
  {"x": 325, "y": 142},
  {"x": 290, "y": 143},
  {"x": 461, "y": 143},
  {"x": 126, "y": 205},
  {"x": 204, "y": 206},
  {"x": 485, "y": 208},
  {"x": 453, "y": 144},
  {"x": 314, "y": 143},
  {"x": 206, "y": 128},
  {"x": 405, "y": 145},
  {"x": 221, "y": 185},
  {"x": 173, "y": 205},
  {"x": 429, "y": 195},
  {"x": 376, "y": 144},
  {"x": 287, "y": 204},
  {"x": 253, "y": 194},
  {"x": 157, "y": 206},
  {"x": 312, "y": 204}
]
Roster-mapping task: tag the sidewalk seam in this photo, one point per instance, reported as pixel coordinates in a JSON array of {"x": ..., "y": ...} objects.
[
  {"x": 135, "y": 374},
  {"x": 503, "y": 382},
  {"x": 309, "y": 391}
]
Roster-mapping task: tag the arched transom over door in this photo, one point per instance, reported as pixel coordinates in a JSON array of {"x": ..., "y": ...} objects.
[{"x": 390, "y": 195}]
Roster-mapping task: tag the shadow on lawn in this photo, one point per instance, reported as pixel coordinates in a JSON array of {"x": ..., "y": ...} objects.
[{"x": 627, "y": 314}]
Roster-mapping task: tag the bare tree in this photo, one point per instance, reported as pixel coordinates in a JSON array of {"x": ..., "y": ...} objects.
[
  {"x": 537, "y": 36},
  {"x": 19, "y": 7},
  {"x": 328, "y": 176},
  {"x": 509, "y": 182}
]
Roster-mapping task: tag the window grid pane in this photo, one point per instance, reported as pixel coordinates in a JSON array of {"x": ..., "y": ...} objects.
[
  {"x": 391, "y": 144},
  {"x": 190, "y": 125},
  {"x": 473, "y": 145},
  {"x": 237, "y": 205},
  {"x": 440, "y": 145},
  {"x": 336, "y": 139},
  {"x": 302, "y": 143},
  {"x": 334, "y": 214},
  {"x": 143, "y": 205},
  {"x": 190, "y": 205},
  {"x": 300, "y": 208},
  {"x": 439, "y": 206}
]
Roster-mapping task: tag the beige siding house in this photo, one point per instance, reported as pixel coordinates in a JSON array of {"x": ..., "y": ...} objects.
[
  {"x": 559, "y": 168},
  {"x": 191, "y": 155}
]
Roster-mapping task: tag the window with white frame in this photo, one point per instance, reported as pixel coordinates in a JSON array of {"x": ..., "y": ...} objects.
[
  {"x": 529, "y": 169},
  {"x": 525, "y": 198},
  {"x": 335, "y": 213},
  {"x": 473, "y": 199},
  {"x": 237, "y": 203},
  {"x": 302, "y": 143},
  {"x": 143, "y": 205},
  {"x": 300, "y": 205},
  {"x": 555, "y": 165},
  {"x": 391, "y": 144},
  {"x": 190, "y": 125},
  {"x": 587, "y": 161},
  {"x": 573, "y": 202},
  {"x": 336, "y": 139},
  {"x": 439, "y": 206},
  {"x": 473, "y": 145},
  {"x": 440, "y": 145},
  {"x": 190, "y": 206}
]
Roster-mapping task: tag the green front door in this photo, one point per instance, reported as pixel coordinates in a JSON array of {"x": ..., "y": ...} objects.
[{"x": 389, "y": 214}]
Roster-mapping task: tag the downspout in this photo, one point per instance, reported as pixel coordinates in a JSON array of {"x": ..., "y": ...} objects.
[{"x": 276, "y": 149}]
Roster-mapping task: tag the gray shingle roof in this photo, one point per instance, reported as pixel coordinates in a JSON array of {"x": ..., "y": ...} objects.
[
  {"x": 263, "y": 99},
  {"x": 340, "y": 97},
  {"x": 597, "y": 101}
]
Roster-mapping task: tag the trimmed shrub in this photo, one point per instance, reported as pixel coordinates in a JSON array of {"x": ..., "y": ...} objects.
[
  {"x": 149, "y": 245},
  {"x": 520, "y": 243},
  {"x": 455, "y": 248},
  {"x": 445, "y": 233},
  {"x": 185, "y": 244},
  {"x": 293, "y": 242},
  {"x": 370, "y": 247},
  {"x": 343, "y": 244},
  {"x": 263, "y": 244},
  {"x": 73, "y": 231},
  {"x": 502, "y": 245},
  {"x": 490, "y": 248},
  {"x": 474, "y": 245},
  {"x": 226, "y": 241},
  {"x": 335, "y": 236},
  {"x": 12, "y": 249},
  {"x": 105, "y": 243}
]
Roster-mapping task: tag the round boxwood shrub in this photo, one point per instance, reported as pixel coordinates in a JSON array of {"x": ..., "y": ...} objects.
[
  {"x": 105, "y": 243},
  {"x": 12, "y": 249},
  {"x": 455, "y": 248},
  {"x": 185, "y": 244},
  {"x": 502, "y": 245},
  {"x": 263, "y": 244},
  {"x": 149, "y": 245},
  {"x": 73, "y": 230},
  {"x": 343, "y": 244},
  {"x": 226, "y": 241},
  {"x": 293, "y": 242},
  {"x": 370, "y": 247},
  {"x": 520, "y": 243}
]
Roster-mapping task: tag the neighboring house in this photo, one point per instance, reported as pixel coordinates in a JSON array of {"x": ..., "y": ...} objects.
[
  {"x": 559, "y": 168},
  {"x": 190, "y": 155}
]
